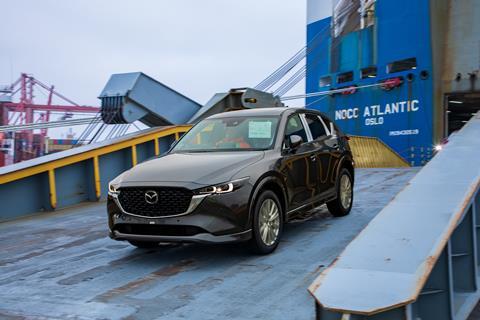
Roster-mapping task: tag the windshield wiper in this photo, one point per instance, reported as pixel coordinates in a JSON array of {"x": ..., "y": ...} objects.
[{"x": 218, "y": 150}]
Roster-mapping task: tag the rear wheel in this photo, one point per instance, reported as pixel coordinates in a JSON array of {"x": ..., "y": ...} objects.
[
  {"x": 143, "y": 244},
  {"x": 267, "y": 223},
  {"x": 342, "y": 205}
]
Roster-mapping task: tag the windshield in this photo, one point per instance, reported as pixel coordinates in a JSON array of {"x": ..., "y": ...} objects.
[{"x": 230, "y": 134}]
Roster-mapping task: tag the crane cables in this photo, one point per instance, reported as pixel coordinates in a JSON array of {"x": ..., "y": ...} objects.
[
  {"x": 330, "y": 92},
  {"x": 114, "y": 131},
  {"x": 291, "y": 63},
  {"x": 90, "y": 127},
  {"x": 50, "y": 124}
]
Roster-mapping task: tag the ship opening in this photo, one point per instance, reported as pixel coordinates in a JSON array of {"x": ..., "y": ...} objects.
[{"x": 460, "y": 108}]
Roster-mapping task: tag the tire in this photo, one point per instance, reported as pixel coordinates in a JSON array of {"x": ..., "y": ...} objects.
[
  {"x": 265, "y": 241},
  {"x": 342, "y": 205},
  {"x": 143, "y": 244}
]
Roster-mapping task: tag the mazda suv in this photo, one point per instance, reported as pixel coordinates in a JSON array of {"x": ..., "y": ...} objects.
[{"x": 235, "y": 176}]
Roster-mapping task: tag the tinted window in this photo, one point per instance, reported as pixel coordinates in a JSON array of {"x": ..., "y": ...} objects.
[
  {"x": 325, "y": 82},
  {"x": 295, "y": 127},
  {"x": 402, "y": 65},
  {"x": 316, "y": 126},
  {"x": 370, "y": 72},
  {"x": 345, "y": 77},
  {"x": 327, "y": 121}
]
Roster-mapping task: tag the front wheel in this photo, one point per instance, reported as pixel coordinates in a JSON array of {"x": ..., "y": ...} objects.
[
  {"x": 342, "y": 205},
  {"x": 267, "y": 223}
]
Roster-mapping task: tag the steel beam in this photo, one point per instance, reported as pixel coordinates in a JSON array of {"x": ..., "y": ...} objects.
[{"x": 418, "y": 259}]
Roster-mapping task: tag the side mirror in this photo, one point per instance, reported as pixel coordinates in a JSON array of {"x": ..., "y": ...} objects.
[{"x": 294, "y": 141}]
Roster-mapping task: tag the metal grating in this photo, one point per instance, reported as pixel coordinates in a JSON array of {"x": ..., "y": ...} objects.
[{"x": 370, "y": 152}]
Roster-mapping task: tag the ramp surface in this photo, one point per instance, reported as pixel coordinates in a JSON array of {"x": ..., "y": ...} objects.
[
  {"x": 371, "y": 152},
  {"x": 63, "y": 265}
]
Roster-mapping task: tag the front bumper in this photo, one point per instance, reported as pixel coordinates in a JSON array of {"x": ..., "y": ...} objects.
[
  {"x": 217, "y": 219},
  {"x": 198, "y": 238}
]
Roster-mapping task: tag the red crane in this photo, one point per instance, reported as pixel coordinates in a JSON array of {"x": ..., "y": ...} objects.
[{"x": 24, "y": 145}]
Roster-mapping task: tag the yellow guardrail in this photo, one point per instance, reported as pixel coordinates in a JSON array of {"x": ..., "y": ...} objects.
[
  {"x": 369, "y": 152},
  {"x": 93, "y": 154}
]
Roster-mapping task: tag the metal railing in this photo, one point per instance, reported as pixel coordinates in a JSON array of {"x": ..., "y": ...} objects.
[
  {"x": 82, "y": 174},
  {"x": 79, "y": 174},
  {"x": 418, "y": 259}
]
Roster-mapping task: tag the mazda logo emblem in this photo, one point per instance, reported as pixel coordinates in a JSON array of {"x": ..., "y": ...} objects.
[{"x": 151, "y": 197}]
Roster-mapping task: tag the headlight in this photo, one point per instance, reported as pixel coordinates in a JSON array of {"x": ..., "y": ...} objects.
[
  {"x": 223, "y": 188},
  {"x": 112, "y": 189}
]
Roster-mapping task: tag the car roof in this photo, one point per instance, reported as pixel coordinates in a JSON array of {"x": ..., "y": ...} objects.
[{"x": 254, "y": 112}]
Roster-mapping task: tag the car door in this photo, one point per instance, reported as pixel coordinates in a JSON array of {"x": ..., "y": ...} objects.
[
  {"x": 334, "y": 145},
  {"x": 324, "y": 149},
  {"x": 298, "y": 166}
]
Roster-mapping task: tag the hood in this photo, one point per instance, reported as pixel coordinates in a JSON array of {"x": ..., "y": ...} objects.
[{"x": 200, "y": 168}]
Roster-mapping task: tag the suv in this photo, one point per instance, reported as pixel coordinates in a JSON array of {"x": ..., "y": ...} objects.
[{"x": 235, "y": 176}]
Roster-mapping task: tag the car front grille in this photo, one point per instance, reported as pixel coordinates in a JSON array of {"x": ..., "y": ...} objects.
[{"x": 171, "y": 201}]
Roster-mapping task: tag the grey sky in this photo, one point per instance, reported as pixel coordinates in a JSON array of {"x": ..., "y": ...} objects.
[{"x": 196, "y": 47}]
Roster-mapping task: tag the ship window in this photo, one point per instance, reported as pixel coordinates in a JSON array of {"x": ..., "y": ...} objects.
[
  {"x": 402, "y": 65},
  {"x": 345, "y": 77},
  {"x": 325, "y": 82},
  {"x": 370, "y": 72}
]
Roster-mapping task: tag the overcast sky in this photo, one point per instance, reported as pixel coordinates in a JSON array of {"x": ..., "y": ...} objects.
[{"x": 196, "y": 47}]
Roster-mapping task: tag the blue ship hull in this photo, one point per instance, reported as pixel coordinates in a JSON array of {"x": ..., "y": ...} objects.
[{"x": 402, "y": 117}]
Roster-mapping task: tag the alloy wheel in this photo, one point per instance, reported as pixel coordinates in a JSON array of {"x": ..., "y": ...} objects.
[
  {"x": 345, "y": 191},
  {"x": 269, "y": 222}
]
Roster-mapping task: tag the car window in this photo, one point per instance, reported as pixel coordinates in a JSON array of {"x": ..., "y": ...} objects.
[
  {"x": 230, "y": 133},
  {"x": 316, "y": 126},
  {"x": 295, "y": 127},
  {"x": 327, "y": 122}
]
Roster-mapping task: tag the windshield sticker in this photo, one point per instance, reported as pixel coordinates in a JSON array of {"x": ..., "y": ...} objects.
[{"x": 260, "y": 129}]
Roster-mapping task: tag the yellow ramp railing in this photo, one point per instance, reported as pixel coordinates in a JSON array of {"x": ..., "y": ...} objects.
[
  {"x": 369, "y": 152},
  {"x": 49, "y": 164}
]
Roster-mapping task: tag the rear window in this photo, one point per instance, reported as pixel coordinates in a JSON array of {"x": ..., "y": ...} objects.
[
  {"x": 327, "y": 122},
  {"x": 316, "y": 126}
]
